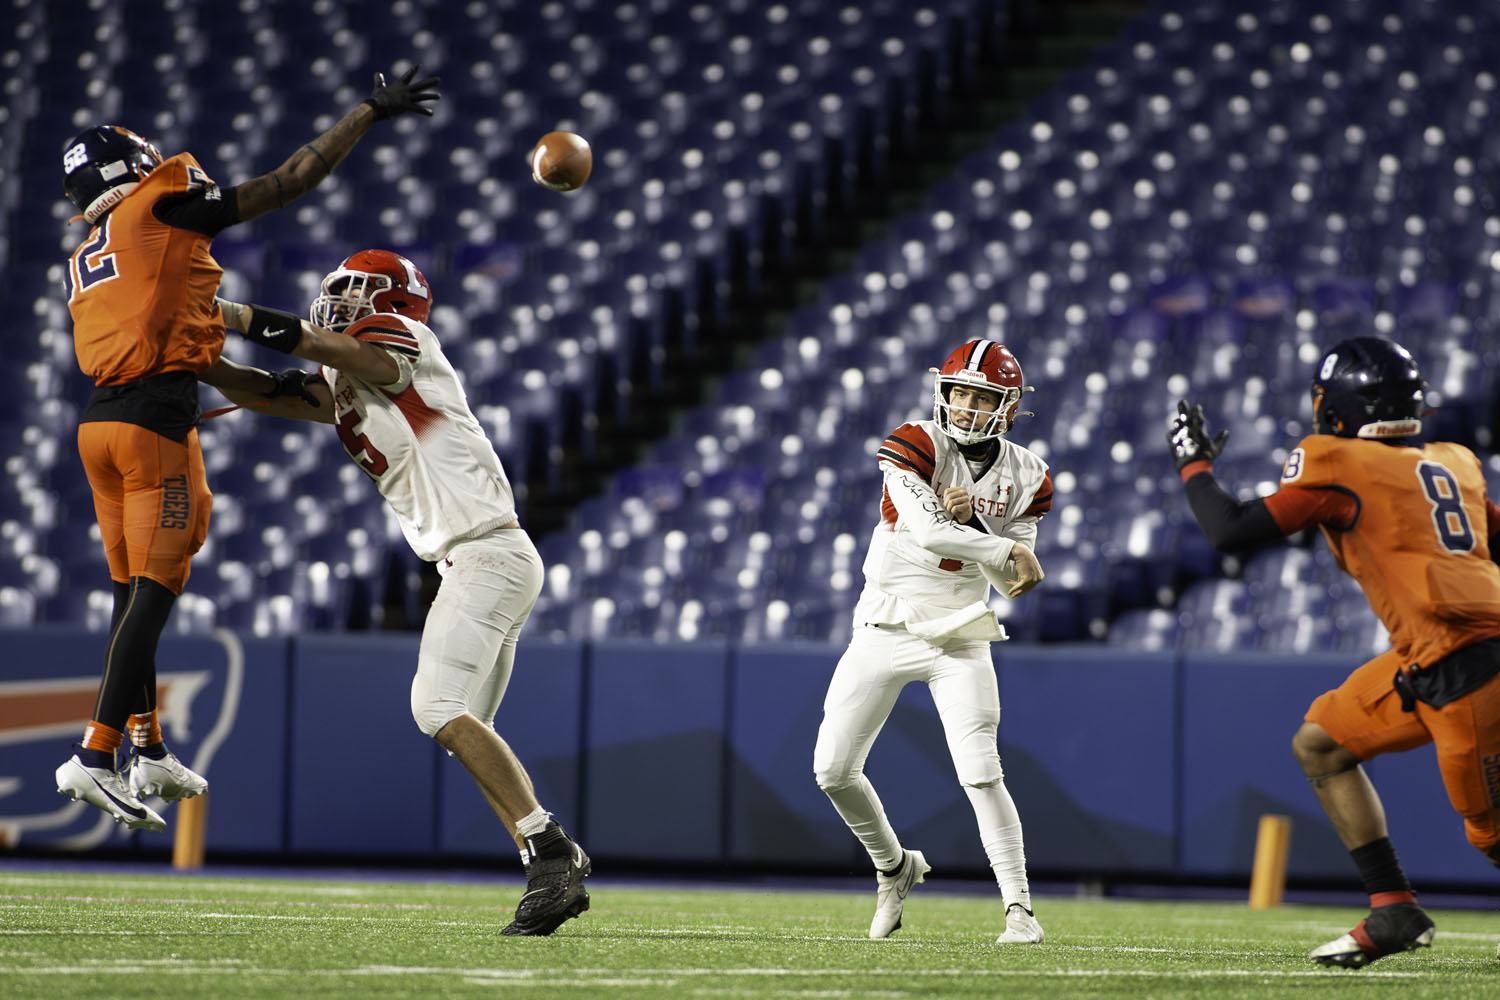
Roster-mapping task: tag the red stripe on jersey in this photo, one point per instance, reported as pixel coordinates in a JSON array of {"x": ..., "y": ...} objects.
[
  {"x": 415, "y": 409},
  {"x": 1042, "y": 502},
  {"x": 910, "y": 447},
  {"x": 401, "y": 343},
  {"x": 387, "y": 331}
]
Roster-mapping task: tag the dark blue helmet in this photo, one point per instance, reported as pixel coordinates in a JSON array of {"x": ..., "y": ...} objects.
[
  {"x": 101, "y": 165},
  {"x": 1368, "y": 387}
]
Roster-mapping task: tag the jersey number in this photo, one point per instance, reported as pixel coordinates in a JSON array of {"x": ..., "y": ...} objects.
[
  {"x": 1448, "y": 514},
  {"x": 356, "y": 444},
  {"x": 91, "y": 263}
]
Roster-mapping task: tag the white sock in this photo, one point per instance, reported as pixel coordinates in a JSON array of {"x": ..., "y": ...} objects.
[
  {"x": 533, "y": 822},
  {"x": 1000, "y": 833},
  {"x": 861, "y": 809}
]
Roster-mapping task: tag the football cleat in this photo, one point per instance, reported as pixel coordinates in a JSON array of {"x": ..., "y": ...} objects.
[
  {"x": 166, "y": 776},
  {"x": 554, "y": 891},
  {"x": 103, "y": 787},
  {"x": 891, "y": 890},
  {"x": 1020, "y": 927},
  {"x": 1386, "y": 931}
]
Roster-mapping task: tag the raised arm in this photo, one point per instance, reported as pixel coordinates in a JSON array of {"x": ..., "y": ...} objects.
[{"x": 307, "y": 167}]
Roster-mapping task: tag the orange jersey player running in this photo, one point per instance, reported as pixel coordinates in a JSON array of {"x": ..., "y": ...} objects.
[
  {"x": 146, "y": 329},
  {"x": 1413, "y": 524}
]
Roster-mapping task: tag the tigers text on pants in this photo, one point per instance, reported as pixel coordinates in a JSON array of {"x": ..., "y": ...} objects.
[{"x": 151, "y": 499}]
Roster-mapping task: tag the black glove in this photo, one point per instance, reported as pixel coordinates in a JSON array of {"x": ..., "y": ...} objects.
[
  {"x": 1188, "y": 437},
  {"x": 392, "y": 99},
  {"x": 294, "y": 382}
]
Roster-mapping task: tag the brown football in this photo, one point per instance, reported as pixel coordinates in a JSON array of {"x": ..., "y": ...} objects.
[{"x": 561, "y": 161}]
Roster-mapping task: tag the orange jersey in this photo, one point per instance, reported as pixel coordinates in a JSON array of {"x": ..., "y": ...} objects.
[
  {"x": 141, "y": 292},
  {"x": 1418, "y": 544}
]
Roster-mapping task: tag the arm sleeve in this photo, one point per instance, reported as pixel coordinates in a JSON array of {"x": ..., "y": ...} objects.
[
  {"x": 920, "y": 510},
  {"x": 1231, "y": 526},
  {"x": 208, "y": 210}
]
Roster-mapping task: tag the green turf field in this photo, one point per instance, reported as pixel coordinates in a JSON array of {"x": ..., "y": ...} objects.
[{"x": 165, "y": 936}]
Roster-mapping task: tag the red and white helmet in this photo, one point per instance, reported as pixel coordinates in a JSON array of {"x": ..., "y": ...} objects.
[
  {"x": 370, "y": 282},
  {"x": 979, "y": 364}
]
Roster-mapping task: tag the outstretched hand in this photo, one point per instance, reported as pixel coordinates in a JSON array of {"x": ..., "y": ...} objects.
[
  {"x": 1188, "y": 437},
  {"x": 403, "y": 96}
]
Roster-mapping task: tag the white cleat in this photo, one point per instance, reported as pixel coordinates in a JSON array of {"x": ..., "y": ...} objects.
[
  {"x": 891, "y": 893},
  {"x": 168, "y": 777},
  {"x": 1020, "y": 927},
  {"x": 103, "y": 787}
]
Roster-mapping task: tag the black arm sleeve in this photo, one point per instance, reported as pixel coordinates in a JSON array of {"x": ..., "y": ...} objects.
[
  {"x": 207, "y": 210},
  {"x": 1231, "y": 526}
]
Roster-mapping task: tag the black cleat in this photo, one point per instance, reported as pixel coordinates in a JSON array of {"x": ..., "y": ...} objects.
[
  {"x": 1386, "y": 931},
  {"x": 554, "y": 887}
]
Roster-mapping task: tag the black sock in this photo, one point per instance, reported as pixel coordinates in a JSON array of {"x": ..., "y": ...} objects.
[
  {"x": 893, "y": 872},
  {"x": 96, "y": 758},
  {"x": 156, "y": 751},
  {"x": 1379, "y": 870}
]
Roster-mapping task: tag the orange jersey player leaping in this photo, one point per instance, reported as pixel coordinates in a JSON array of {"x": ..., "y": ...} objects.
[
  {"x": 1413, "y": 524},
  {"x": 146, "y": 329}
]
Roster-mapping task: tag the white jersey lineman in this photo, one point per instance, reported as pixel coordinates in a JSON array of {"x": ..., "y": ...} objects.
[
  {"x": 429, "y": 456},
  {"x": 923, "y": 616},
  {"x": 419, "y": 441}
]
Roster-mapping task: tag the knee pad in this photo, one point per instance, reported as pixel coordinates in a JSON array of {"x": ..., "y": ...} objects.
[
  {"x": 432, "y": 714},
  {"x": 832, "y": 776},
  {"x": 978, "y": 764}
]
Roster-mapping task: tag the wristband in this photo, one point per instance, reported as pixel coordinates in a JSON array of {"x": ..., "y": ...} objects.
[{"x": 280, "y": 331}]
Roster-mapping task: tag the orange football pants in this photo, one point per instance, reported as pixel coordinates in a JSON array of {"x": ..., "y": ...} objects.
[
  {"x": 151, "y": 498},
  {"x": 1363, "y": 715}
]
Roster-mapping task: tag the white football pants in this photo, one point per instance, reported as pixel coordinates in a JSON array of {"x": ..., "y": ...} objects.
[
  {"x": 489, "y": 587},
  {"x": 961, "y": 677}
]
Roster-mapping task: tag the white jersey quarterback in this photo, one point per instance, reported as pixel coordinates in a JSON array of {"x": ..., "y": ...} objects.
[
  {"x": 420, "y": 442},
  {"x": 922, "y": 566}
]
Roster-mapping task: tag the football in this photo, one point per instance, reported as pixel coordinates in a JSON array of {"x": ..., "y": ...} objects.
[{"x": 561, "y": 161}]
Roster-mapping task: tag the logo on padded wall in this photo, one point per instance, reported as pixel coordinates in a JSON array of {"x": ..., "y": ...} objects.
[{"x": 45, "y": 701}]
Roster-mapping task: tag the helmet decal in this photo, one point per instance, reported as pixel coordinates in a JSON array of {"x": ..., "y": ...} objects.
[{"x": 103, "y": 164}]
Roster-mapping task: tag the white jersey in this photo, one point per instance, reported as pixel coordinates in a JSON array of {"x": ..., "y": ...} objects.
[
  {"x": 419, "y": 441},
  {"x": 922, "y": 566}
]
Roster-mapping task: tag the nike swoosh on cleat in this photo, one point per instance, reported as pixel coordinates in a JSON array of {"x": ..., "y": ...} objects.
[{"x": 125, "y": 806}]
